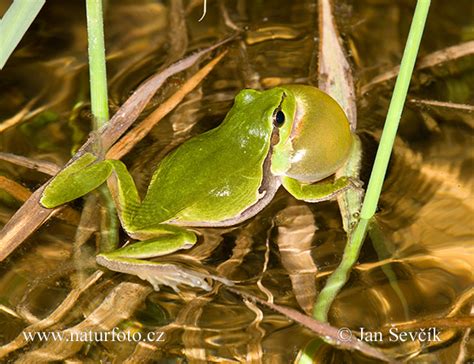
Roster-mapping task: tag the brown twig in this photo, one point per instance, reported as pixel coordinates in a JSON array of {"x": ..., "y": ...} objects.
[
  {"x": 37, "y": 165},
  {"x": 443, "y": 104},
  {"x": 430, "y": 60},
  {"x": 22, "y": 194},
  {"x": 126, "y": 144}
]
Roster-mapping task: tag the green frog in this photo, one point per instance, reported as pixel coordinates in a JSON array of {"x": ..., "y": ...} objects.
[{"x": 293, "y": 136}]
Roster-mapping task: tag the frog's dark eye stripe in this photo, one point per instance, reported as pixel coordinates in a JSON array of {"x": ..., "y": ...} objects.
[{"x": 278, "y": 118}]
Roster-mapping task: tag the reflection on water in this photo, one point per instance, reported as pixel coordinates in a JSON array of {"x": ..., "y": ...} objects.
[{"x": 418, "y": 267}]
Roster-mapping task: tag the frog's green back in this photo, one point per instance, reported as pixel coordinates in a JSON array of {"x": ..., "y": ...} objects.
[{"x": 216, "y": 175}]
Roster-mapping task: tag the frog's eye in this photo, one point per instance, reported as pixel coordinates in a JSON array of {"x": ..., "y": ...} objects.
[{"x": 278, "y": 118}]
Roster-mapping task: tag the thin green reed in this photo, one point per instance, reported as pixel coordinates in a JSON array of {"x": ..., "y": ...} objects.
[
  {"x": 339, "y": 277},
  {"x": 100, "y": 107},
  {"x": 97, "y": 69},
  {"x": 351, "y": 253}
]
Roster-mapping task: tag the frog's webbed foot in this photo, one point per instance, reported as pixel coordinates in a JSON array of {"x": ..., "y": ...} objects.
[
  {"x": 161, "y": 273},
  {"x": 172, "y": 275}
]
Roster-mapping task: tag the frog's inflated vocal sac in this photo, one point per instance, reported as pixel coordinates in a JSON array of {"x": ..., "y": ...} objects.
[{"x": 292, "y": 135}]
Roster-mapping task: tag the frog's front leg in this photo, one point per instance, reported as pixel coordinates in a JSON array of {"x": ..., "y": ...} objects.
[{"x": 319, "y": 191}]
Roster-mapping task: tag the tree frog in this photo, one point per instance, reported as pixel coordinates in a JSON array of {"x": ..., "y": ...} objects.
[{"x": 293, "y": 136}]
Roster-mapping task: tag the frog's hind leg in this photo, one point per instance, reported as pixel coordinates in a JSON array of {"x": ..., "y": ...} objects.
[
  {"x": 85, "y": 175},
  {"x": 168, "y": 239},
  {"x": 165, "y": 239}
]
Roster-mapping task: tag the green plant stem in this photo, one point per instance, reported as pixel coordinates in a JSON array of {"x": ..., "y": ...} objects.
[
  {"x": 339, "y": 277},
  {"x": 100, "y": 109},
  {"x": 97, "y": 69},
  {"x": 14, "y": 25},
  {"x": 395, "y": 110},
  {"x": 351, "y": 253}
]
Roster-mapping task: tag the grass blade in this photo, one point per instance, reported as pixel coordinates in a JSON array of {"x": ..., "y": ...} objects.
[
  {"x": 14, "y": 25},
  {"x": 395, "y": 110}
]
